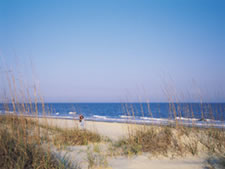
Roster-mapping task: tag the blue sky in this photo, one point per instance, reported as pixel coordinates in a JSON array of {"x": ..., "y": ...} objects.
[{"x": 113, "y": 51}]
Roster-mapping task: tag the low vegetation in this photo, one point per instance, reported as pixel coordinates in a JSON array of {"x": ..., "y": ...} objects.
[
  {"x": 21, "y": 148},
  {"x": 170, "y": 141},
  {"x": 26, "y": 144},
  {"x": 75, "y": 137}
]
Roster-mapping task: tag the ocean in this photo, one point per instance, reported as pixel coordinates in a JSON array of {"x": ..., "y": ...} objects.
[{"x": 153, "y": 113}]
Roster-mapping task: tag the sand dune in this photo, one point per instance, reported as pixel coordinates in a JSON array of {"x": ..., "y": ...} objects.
[{"x": 115, "y": 131}]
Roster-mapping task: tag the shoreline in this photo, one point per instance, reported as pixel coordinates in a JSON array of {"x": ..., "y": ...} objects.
[
  {"x": 187, "y": 122},
  {"x": 113, "y": 130}
]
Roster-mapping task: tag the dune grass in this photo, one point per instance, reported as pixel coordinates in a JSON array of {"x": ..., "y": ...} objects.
[
  {"x": 75, "y": 137},
  {"x": 20, "y": 146},
  {"x": 14, "y": 153},
  {"x": 172, "y": 141},
  {"x": 26, "y": 144}
]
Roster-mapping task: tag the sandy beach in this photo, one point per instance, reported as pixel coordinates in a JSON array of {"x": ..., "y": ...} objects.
[{"x": 115, "y": 131}]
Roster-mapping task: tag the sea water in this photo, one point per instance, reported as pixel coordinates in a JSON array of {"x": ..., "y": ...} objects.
[{"x": 200, "y": 114}]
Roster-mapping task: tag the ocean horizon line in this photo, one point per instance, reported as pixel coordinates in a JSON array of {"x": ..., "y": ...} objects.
[{"x": 115, "y": 102}]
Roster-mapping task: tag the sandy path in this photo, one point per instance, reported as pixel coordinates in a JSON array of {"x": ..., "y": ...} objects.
[{"x": 143, "y": 162}]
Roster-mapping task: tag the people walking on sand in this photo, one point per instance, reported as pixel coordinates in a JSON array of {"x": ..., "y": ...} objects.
[{"x": 81, "y": 120}]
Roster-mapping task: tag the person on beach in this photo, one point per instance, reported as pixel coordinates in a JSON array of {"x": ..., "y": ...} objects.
[{"x": 81, "y": 120}]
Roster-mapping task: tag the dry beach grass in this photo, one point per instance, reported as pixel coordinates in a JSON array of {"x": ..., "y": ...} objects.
[
  {"x": 27, "y": 142},
  {"x": 22, "y": 141}
]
